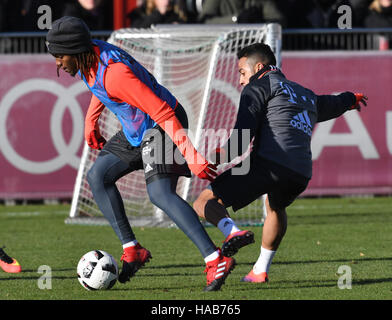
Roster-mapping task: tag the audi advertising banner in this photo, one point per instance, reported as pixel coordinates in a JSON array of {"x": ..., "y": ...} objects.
[
  {"x": 41, "y": 128},
  {"x": 42, "y": 122}
]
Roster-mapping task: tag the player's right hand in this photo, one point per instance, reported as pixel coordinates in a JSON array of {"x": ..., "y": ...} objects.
[
  {"x": 95, "y": 140},
  {"x": 360, "y": 98},
  {"x": 208, "y": 173}
]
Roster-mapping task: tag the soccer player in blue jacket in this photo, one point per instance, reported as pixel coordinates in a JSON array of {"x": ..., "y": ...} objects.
[{"x": 280, "y": 115}]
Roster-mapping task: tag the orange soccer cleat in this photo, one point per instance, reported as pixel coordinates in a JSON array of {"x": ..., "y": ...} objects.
[
  {"x": 253, "y": 277},
  {"x": 9, "y": 264}
]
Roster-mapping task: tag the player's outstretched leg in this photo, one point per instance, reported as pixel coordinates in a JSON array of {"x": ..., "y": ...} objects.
[
  {"x": 9, "y": 264},
  {"x": 209, "y": 208},
  {"x": 133, "y": 259},
  {"x": 217, "y": 271}
]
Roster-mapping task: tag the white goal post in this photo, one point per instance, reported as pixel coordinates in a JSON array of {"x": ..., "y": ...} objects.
[{"x": 198, "y": 64}]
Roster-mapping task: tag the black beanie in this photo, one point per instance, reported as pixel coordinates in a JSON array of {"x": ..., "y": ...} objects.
[{"x": 69, "y": 35}]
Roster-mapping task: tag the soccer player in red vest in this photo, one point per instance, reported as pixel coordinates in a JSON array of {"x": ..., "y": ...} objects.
[{"x": 149, "y": 114}]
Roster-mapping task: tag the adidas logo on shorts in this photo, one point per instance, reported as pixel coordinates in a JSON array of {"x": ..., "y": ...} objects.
[{"x": 302, "y": 122}]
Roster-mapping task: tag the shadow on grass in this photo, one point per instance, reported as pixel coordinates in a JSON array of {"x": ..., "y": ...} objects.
[
  {"x": 335, "y": 218},
  {"x": 177, "y": 274},
  {"x": 348, "y": 261},
  {"x": 58, "y": 270},
  {"x": 371, "y": 281},
  {"x": 36, "y": 278},
  {"x": 249, "y": 264},
  {"x": 165, "y": 266},
  {"x": 306, "y": 284},
  {"x": 275, "y": 285},
  {"x": 160, "y": 289},
  {"x": 26, "y": 275},
  {"x": 284, "y": 284},
  {"x": 344, "y": 261}
]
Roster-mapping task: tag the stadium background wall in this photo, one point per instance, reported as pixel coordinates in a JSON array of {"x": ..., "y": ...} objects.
[{"x": 41, "y": 124}]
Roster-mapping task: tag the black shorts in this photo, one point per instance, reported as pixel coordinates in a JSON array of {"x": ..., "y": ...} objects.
[
  {"x": 281, "y": 184},
  {"x": 157, "y": 155}
]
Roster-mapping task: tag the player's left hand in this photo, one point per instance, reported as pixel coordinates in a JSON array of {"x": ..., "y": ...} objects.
[
  {"x": 209, "y": 172},
  {"x": 95, "y": 140},
  {"x": 360, "y": 98}
]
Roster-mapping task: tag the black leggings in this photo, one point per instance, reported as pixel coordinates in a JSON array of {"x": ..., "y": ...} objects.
[{"x": 108, "y": 168}]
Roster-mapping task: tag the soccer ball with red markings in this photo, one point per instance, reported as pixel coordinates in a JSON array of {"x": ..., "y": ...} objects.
[{"x": 97, "y": 270}]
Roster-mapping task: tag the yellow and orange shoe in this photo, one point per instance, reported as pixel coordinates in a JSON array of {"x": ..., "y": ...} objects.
[
  {"x": 9, "y": 264},
  {"x": 257, "y": 278}
]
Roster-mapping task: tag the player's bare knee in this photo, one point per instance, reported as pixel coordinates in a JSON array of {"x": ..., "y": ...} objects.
[
  {"x": 201, "y": 201},
  {"x": 198, "y": 206}
]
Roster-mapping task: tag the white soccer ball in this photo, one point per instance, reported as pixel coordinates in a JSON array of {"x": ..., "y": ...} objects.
[{"x": 97, "y": 270}]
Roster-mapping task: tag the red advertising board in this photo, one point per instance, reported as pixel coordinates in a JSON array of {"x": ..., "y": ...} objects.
[
  {"x": 41, "y": 124},
  {"x": 352, "y": 154},
  {"x": 41, "y": 127}
]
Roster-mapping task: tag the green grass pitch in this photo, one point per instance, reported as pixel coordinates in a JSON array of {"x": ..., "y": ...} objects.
[{"x": 322, "y": 235}]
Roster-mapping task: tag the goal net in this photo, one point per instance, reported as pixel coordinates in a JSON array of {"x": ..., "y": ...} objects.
[{"x": 198, "y": 64}]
